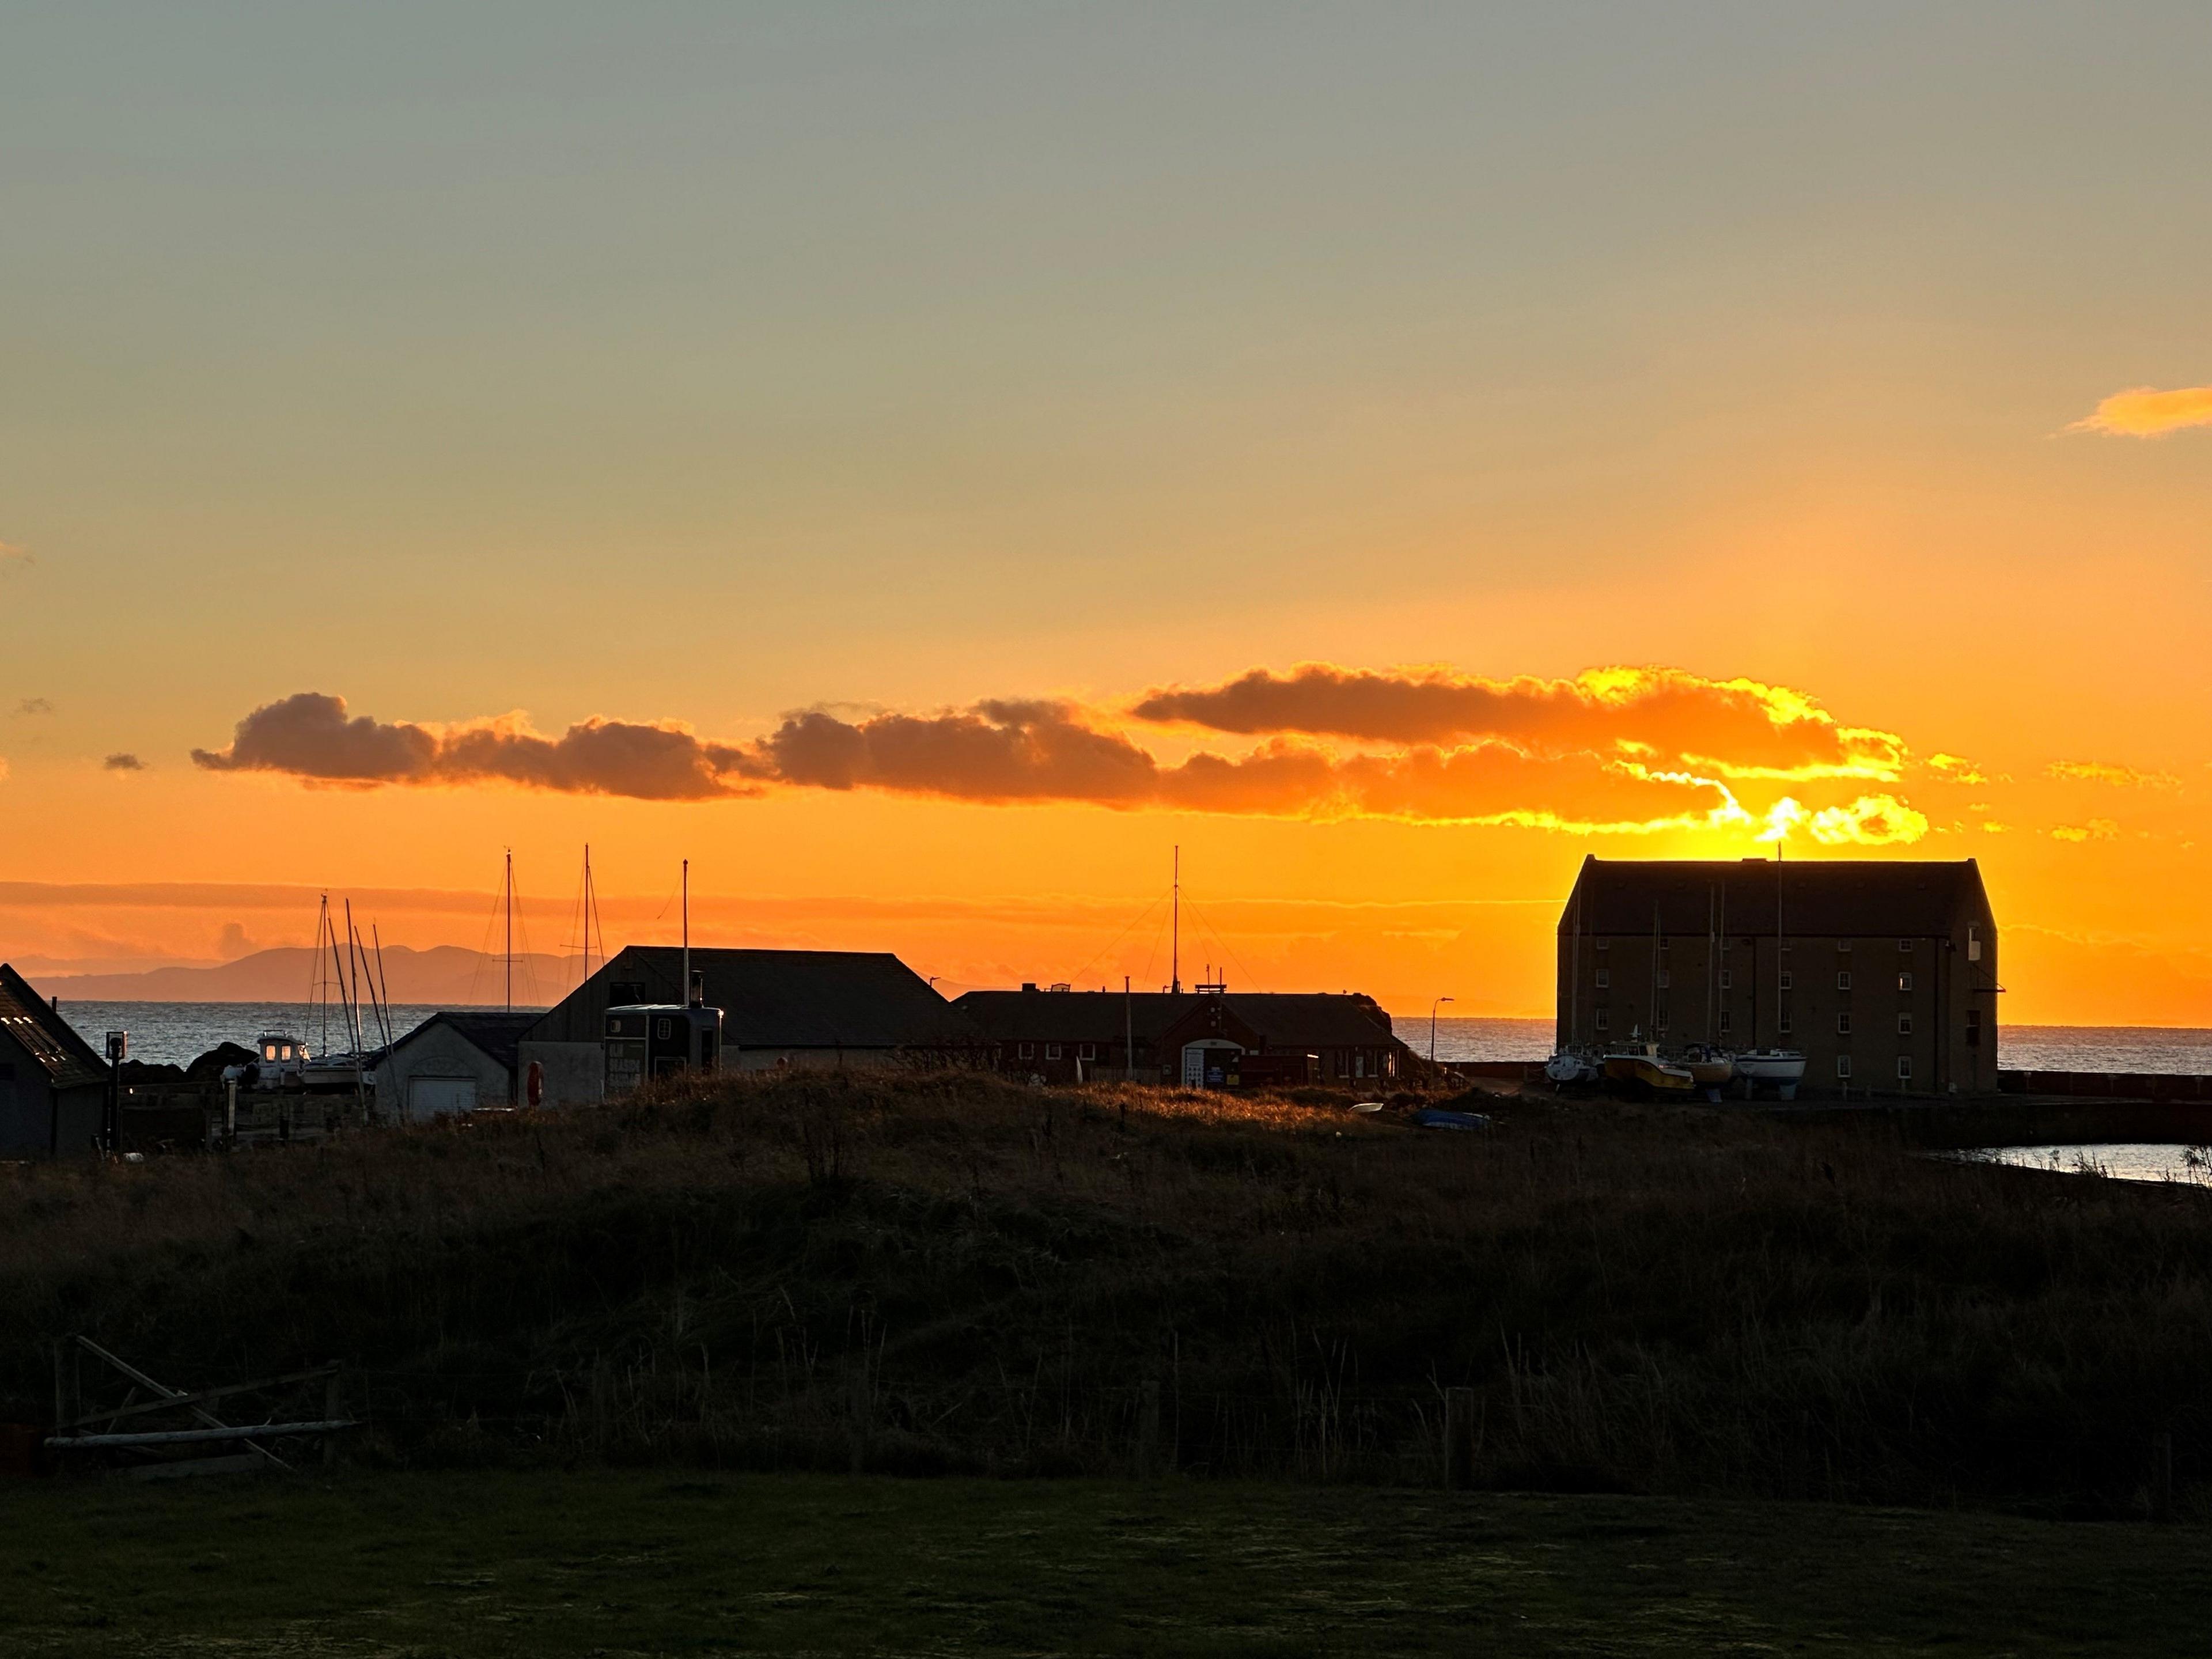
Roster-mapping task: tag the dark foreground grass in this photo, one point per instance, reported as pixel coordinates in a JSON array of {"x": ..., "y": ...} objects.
[
  {"x": 620, "y": 1563},
  {"x": 947, "y": 1274}
]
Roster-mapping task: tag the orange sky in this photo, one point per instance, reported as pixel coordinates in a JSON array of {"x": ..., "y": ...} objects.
[{"x": 923, "y": 464}]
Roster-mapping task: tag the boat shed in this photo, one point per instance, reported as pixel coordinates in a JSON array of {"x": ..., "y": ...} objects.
[
  {"x": 53, "y": 1087},
  {"x": 453, "y": 1062},
  {"x": 822, "y": 1009},
  {"x": 1066, "y": 1036}
]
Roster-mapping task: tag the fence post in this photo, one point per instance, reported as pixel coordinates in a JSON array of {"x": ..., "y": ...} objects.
[
  {"x": 1459, "y": 1439},
  {"x": 2161, "y": 1475},
  {"x": 1148, "y": 1428}
]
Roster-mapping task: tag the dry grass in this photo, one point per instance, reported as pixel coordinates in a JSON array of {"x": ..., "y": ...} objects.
[{"x": 947, "y": 1271}]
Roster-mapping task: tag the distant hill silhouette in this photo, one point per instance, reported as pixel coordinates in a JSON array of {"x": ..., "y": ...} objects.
[{"x": 447, "y": 976}]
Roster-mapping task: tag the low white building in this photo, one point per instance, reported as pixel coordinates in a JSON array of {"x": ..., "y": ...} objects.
[{"x": 453, "y": 1062}]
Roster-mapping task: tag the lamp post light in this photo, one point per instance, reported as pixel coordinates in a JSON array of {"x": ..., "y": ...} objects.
[{"x": 1432, "y": 1027}]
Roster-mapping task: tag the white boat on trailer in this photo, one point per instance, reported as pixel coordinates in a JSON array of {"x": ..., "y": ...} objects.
[
  {"x": 1573, "y": 1065},
  {"x": 1784, "y": 1068}
]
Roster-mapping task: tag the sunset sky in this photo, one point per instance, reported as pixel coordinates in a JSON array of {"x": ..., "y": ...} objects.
[{"x": 924, "y": 463}]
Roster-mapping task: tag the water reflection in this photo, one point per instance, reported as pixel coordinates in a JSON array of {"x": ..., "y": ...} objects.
[{"x": 2119, "y": 1160}]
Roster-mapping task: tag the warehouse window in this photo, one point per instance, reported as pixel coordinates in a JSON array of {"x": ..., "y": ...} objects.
[
  {"x": 1843, "y": 1024},
  {"x": 1605, "y": 944},
  {"x": 1904, "y": 1025},
  {"x": 1905, "y": 945},
  {"x": 1087, "y": 1051},
  {"x": 1905, "y": 981},
  {"x": 1789, "y": 980},
  {"x": 1028, "y": 1051},
  {"x": 1605, "y": 979},
  {"x": 1604, "y": 1020},
  {"x": 1843, "y": 945},
  {"x": 1728, "y": 978},
  {"x": 1974, "y": 1028},
  {"x": 1905, "y": 1068},
  {"x": 1051, "y": 1051},
  {"x": 1665, "y": 979},
  {"x": 1844, "y": 981},
  {"x": 1724, "y": 1022},
  {"x": 1782, "y": 1020},
  {"x": 1843, "y": 1066}
]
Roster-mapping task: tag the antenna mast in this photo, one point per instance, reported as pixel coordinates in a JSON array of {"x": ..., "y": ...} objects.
[
  {"x": 1174, "y": 932},
  {"x": 687, "y": 933},
  {"x": 508, "y": 955}
]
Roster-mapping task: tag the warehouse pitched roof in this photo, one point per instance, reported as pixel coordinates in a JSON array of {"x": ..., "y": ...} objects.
[{"x": 1842, "y": 897}]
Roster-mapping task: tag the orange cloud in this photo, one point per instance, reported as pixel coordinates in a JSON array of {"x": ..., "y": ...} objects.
[
  {"x": 308, "y": 736},
  {"x": 2125, "y": 777},
  {"x": 2095, "y": 829},
  {"x": 1869, "y": 821},
  {"x": 2146, "y": 412},
  {"x": 1737, "y": 728}
]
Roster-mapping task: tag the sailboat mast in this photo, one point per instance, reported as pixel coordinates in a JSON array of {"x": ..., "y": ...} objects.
[
  {"x": 506, "y": 952},
  {"x": 1174, "y": 926}
]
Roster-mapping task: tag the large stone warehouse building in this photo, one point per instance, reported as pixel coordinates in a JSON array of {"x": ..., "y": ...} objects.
[{"x": 1884, "y": 973}]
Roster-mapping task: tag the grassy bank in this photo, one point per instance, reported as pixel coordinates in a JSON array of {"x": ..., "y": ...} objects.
[
  {"x": 610, "y": 1562},
  {"x": 948, "y": 1274}
]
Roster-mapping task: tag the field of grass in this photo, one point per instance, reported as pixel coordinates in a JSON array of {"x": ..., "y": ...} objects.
[
  {"x": 948, "y": 1274},
  {"x": 467, "y": 1564}
]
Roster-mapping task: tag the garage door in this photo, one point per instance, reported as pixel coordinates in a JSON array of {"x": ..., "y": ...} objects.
[{"x": 437, "y": 1096}]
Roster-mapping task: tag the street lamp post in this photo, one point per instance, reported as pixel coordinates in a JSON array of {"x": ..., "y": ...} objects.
[{"x": 1432, "y": 1027}]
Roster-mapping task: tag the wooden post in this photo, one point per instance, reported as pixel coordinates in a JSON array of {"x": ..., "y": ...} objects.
[
  {"x": 1459, "y": 1439},
  {"x": 2161, "y": 1475},
  {"x": 1148, "y": 1428}
]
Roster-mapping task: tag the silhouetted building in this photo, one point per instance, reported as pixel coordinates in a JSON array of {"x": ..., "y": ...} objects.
[
  {"x": 453, "y": 1062},
  {"x": 1198, "y": 1038},
  {"x": 1882, "y": 973},
  {"x": 53, "y": 1087},
  {"x": 779, "y": 1008}
]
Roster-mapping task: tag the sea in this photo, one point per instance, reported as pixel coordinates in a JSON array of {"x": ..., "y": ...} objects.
[
  {"x": 178, "y": 1032},
  {"x": 2185, "y": 1049}
]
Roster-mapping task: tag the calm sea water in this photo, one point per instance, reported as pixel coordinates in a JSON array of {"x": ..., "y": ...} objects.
[
  {"x": 2186, "y": 1049},
  {"x": 179, "y": 1032},
  {"x": 2149, "y": 1161}
]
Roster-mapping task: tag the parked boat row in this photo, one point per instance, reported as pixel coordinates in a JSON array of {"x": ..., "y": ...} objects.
[{"x": 1680, "y": 1072}]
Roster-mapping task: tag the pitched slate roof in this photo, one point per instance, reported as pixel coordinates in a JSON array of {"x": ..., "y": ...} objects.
[
  {"x": 1843, "y": 897},
  {"x": 495, "y": 1030},
  {"x": 69, "y": 1062},
  {"x": 776, "y": 999},
  {"x": 1287, "y": 1019}
]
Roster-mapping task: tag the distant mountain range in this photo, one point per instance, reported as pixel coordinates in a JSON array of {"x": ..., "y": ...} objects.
[{"x": 447, "y": 976}]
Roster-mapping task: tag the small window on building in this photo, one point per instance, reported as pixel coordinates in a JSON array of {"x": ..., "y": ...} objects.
[
  {"x": 1087, "y": 1051},
  {"x": 1905, "y": 945},
  {"x": 1843, "y": 945},
  {"x": 1974, "y": 1028},
  {"x": 1666, "y": 979},
  {"x": 1051, "y": 1051},
  {"x": 1843, "y": 981},
  {"x": 1905, "y": 981},
  {"x": 1028, "y": 1051},
  {"x": 1664, "y": 947},
  {"x": 1904, "y": 1025},
  {"x": 1605, "y": 944},
  {"x": 1728, "y": 978},
  {"x": 1727, "y": 944},
  {"x": 663, "y": 1029},
  {"x": 1843, "y": 1066},
  {"x": 1724, "y": 1022},
  {"x": 1659, "y": 1016},
  {"x": 1605, "y": 979},
  {"x": 1843, "y": 1024},
  {"x": 1905, "y": 1068},
  {"x": 1782, "y": 1020},
  {"x": 1604, "y": 1020},
  {"x": 1789, "y": 980},
  {"x": 1973, "y": 942}
]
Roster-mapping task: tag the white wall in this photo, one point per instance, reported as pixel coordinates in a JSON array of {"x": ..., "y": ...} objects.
[{"x": 436, "y": 1051}]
